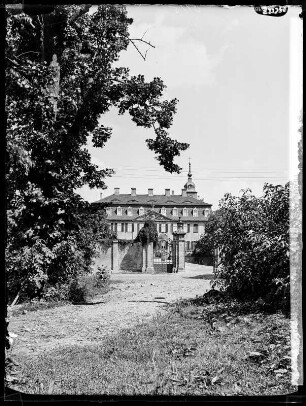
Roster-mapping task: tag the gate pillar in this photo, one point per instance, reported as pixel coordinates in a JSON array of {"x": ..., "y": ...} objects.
[
  {"x": 179, "y": 248},
  {"x": 115, "y": 256},
  {"x": 150, "y": 255},
  {"x": 144, "y": 258}
]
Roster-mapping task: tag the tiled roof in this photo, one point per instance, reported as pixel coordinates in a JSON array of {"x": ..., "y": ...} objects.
[{"x": 157, "y": 200}]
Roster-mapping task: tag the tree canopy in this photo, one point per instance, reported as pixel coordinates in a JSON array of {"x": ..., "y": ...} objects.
[{"x": 60, "y": 80}]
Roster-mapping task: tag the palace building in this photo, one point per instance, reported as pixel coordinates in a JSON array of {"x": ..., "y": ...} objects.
[{"x": 127, "y": 213}]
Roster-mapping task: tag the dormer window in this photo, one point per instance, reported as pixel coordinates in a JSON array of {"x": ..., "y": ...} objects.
[
  {"x": 163, "y": 211},
  {"x": 141, "y": 211},
  {"x": 130, "y": 211},
  {"x": 195, "y": 212},
  {"x": 108, "y": 211},
  {"x": 185, "y": 212},
  {"x": 119, "y": 211},
  {"x": 206, "y": 212},
  {"x": 174, "y": 212}
]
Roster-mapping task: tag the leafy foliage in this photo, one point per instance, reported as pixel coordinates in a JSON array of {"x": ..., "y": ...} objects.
[
  {"x": 60, "y": 80},
  {"x": 83, "y": 288},
  {"x": 148, "y": 233},
  {"x": 252, "y": 235}
]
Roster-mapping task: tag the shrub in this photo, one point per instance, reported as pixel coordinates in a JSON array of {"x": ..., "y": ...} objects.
[
  {"x": 68, "y": 262},
  {"x": 43, "y": 268},
  {"x": 252, "y": 235},
  {"x": 27, "y": 270},
  {"x": 84, "y": 288},
  {"x": 56, "y": 293}
]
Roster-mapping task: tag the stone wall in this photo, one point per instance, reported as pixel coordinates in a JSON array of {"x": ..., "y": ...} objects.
[
  {"x": 130, "y": 257},
  {"x": 103, "y": 258}
]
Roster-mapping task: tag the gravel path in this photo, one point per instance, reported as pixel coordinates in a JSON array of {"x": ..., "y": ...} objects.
[{"x": 132, "y": 299}]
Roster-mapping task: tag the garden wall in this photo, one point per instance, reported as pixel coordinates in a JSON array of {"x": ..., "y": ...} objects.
[
  {"x": 130, "y": 257},
  {"x": 103, "y": 258}
]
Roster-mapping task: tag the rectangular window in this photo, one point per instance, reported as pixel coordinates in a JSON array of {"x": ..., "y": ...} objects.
[
  {"x": 122, "y": 227},
  {"x": 160, "y": 227},
  {"x": 111, "y": 226},
  {"x": 188, "y": 245},
  {"x": 195, "y": 228},
  {"x": 185, "y": 227},
  {"x": 129, "y": 229},
  {"x": 188, "y": 228},
  {"x": 166, "y": 228},
  {"x": 133, "y": 227},
  {"x": 174, "y": 212},
  {"x": 185, "y": 212},
  {"x": 163, "y": 228},
  {"x": 119, "y": 211},
  {"x": 125, "y": 227},
  {"x": 174, "y": 226}
]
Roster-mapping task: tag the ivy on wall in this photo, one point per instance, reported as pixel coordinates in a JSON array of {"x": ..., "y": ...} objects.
[{"x": 148, "y": 233}]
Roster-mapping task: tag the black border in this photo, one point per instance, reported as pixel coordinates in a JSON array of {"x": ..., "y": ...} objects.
[{"x": 12, "y": 397}]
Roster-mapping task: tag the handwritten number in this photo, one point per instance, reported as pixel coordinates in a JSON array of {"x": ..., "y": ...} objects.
[{"x": 271, "y": 10}]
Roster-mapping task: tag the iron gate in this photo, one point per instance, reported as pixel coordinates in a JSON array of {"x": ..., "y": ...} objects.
[{"x": 162, "y": 260}]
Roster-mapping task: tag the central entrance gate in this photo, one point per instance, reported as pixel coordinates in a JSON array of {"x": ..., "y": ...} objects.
[{"x": 162, "y": 260}]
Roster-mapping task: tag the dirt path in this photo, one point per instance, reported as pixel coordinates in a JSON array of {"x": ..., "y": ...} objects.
[{"x": 133, "y": 298}]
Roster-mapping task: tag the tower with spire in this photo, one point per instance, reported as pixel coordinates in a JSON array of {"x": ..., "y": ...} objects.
[{"x": 189, "y": 185}]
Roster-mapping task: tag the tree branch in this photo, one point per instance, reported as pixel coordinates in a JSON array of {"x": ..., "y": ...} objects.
[
  {"x": 140, "y": 40},
  {"x": 28, "y": 52},
  {"x": 137, "y": 49}
]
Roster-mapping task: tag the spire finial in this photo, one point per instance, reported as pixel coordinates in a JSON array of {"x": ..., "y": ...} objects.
[{"x": 189, "y": 173}]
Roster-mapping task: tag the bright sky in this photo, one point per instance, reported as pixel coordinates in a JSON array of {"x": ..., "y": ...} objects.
[{"x": 229, "y": 68}]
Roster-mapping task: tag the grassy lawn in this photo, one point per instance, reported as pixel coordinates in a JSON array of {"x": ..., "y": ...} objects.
[{"x": 196, "y": 349}]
